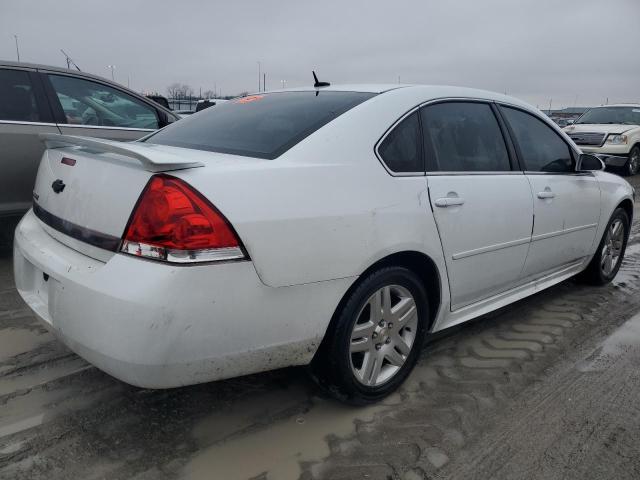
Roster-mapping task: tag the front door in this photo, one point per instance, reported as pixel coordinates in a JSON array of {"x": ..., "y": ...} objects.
[
  {"x": 566, "y": 204},
  {"x": 481, "y": 204}
]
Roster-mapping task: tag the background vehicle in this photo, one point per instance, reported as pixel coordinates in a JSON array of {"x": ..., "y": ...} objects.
[
  {"x": 612, "y": 133},
  {"x": 159, "y": 99},
  {"x": 209, "y": 102},
  {"x": 184, "y": 113},
  {"x": 333, "y": 225},
  {"x": 38, "y": 99}
]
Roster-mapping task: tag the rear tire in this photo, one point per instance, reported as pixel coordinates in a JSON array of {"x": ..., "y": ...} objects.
[
  {"x": 375, "y": 337},
  {"x": 608, "y": 257}
]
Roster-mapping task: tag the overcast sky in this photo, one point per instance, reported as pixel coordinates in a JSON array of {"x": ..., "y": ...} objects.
[{"x": 569, "y": 50}]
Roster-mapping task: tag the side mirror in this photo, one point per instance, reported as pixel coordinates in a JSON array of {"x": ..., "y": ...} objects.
[{"x": 588, "y": 163}]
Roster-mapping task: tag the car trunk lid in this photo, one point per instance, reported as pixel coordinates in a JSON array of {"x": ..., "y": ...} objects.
[{"x": 86, "y": 188}]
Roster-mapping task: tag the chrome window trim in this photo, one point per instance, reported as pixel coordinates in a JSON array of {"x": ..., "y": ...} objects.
[
  {"x": 564, "y": 174},
  {"x": 428, "y": 173},
  {"x": 64, "y": 125},
  {"x": 22, "y": 122},
  {"x": 467, "y": 173},
  {"x": 98, "y": 127}
]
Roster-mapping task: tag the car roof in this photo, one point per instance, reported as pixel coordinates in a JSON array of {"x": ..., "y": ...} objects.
[
  {"x": 51, "y": 68},
  {"x": 424, "y": 92}
]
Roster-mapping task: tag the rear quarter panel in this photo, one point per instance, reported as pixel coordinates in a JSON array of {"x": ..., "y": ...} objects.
[{"x": 327, "y": 208}]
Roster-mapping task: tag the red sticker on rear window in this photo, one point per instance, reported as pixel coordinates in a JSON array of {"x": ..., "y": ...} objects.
[{"x": 250, "y": 98}]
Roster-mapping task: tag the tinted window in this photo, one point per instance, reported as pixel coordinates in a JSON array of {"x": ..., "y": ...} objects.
[
  {"x": 542, "y": 148},
  {"x": 401, "y": 149},
  {"x": 464, "y": 137},
  {"x": 89, "y": 103},
  {"x": 262, "y": 126},
  {"x": 17, "y": 101}
]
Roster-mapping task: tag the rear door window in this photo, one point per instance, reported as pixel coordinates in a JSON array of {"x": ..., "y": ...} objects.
[
  {"x": 463, "y": 137},
  {"x": 91, "y": 103},
  {"x": 17, "y": 98},
  {"x": 261, "y": 126}
]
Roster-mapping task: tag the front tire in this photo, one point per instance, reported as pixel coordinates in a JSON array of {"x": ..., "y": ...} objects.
[
  {"x": 633, "y": 164},
  {"x": 375, "y": 338},
  {"x": 607, "y": 260}
]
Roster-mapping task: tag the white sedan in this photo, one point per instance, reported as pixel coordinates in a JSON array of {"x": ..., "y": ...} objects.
[{"x": 336, "y": 226}]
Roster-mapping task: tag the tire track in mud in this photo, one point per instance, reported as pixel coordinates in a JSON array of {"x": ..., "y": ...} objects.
[{"x": 477, "y": 370}]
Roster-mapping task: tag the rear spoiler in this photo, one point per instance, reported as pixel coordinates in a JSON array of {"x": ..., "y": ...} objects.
[{"x": 150, "y": 156}]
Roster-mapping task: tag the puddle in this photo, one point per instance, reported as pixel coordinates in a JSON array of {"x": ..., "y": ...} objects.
[
  {"x": 45, "y": 374},
  {"x": 278, "y": 448},
  {"x": 21, "y": 425},
  {"x": 14, "y": 341},
  {"x": 624, "y": 340}
]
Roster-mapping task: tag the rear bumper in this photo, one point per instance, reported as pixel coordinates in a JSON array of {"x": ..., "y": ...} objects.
[{"x": 156, "y": 325}]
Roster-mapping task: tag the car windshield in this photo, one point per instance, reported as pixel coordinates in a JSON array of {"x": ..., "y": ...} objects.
[
  {"x": 618, "y": 115},
  {"x": 260, "y": 126}
]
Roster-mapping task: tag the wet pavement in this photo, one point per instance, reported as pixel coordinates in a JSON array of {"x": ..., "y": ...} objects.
[{"x": 546, "y": 388}]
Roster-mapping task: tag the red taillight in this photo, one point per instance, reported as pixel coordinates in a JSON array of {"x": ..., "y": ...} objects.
[{"x": 173, "y": 222}]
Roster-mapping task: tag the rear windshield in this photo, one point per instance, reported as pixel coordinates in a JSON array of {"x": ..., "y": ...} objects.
[{"x": 261, "y": 126}]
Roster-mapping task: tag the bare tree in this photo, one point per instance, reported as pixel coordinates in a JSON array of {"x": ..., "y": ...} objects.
[
  {"x": 179, "y": 90},
  {"x": 208, "y": 94}
]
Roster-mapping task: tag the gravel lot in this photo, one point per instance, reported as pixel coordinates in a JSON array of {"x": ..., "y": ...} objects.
[{"x": 546, "y": 388}]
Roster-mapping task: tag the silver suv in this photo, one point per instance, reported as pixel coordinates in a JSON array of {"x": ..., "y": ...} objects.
[{"x": 38, "y": 99}]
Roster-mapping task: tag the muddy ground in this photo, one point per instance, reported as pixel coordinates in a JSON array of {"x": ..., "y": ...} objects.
[{"x": 547, "y": 388}]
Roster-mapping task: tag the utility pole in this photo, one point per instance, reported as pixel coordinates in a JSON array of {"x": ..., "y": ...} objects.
[
  {"x": 259, "y": 76},
  {"x": 112, "y": 67},
  {"x": 17, "y": 49},
  {"x": 550, "y": 100},
  {"x": 398, "y": 79},
  {"x": 264, "y": 82}
]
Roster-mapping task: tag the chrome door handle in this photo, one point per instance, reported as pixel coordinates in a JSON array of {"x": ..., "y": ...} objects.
[
  {"x": 546, "y": 194},
  {"x": 449, "y": 202}
]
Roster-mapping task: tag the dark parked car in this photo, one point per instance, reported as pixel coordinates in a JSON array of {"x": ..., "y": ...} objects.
[{"x": 38, "y": 99}]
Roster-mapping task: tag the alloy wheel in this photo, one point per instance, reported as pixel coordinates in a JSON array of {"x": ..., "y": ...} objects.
[
  {"x": 383, "y": 335},
  {"x": 634, "y": 161},
  {"x": 612, "y": 247}
]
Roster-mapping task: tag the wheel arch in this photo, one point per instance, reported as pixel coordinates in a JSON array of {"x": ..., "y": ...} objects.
[
  {"x": 420, "y": 264},
  {"x": 627, "y": 206}
]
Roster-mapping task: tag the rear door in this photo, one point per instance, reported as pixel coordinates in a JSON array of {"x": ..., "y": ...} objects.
[
  {"x": 24, "y": 113},
  {"x": 566, "y": 202},
  {"x": 90, "y": 108},
  {"x": 481, "y": 203}
]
